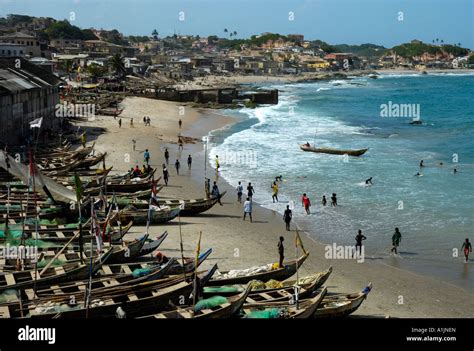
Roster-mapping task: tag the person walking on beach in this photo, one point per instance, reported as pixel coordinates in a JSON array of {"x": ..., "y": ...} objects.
[
  {"x": 177, "y": 165},
  {"x": 359, "y": 237},
  {"x": 167, "y": 156},
  {"x": 131, "y": 122},
  {"x": 144, "y": 120},
  {"x": 467, "y": 248},
  {"x": 166, "y": 174},
  {"x": 396, "y": 239},
  {"x": 275, "y": 192},
  {"x": 120, "y": 122},
  {"x": 240, "y": 190},
  {"x": 287, "y": 216},
  {"x": 216, "y": 193},
  {"x": 217, "y": 163},
  {"x": 190, "y": 162},
  {"x": 324, "y": 201},
  {"x": 180, "y": 123},
  {"x": 334, "y": 200},
  {"x": 248, "y": 209},
  {"x": 134, "y": 143},
  {"x": 146, "y": 155},
  {"x": 250, "y": 191},
  {"x": 281, "y": 252},
  {"x": 306, "y": 203}
]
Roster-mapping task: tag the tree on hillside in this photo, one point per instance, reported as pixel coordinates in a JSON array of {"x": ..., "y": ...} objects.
[
  {"x": 118, "y": 65},
  {"x": 154, "y": 34}
]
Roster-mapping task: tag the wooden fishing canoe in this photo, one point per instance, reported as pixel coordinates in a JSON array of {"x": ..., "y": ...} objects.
[
  {"x": 278, "y": 274},
  {"x": 307, "y": 285},
  {"x": 303, "y": 310},
  {"x": 53, "y": 275},
  {"x": 225, "y": 310},
  {"x": 342, "y": 305},
  {"x": 326, "y": 150}
]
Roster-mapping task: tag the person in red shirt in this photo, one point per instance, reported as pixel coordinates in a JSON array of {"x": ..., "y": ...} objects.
[{"x": 306, "y": 203}]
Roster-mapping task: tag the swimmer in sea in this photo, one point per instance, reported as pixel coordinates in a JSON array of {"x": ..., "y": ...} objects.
[
  {"x": 418, "y": 174},
  {"x": 369, "y": 181},
  {"x": 467, "y": 248},
  {"x": 421, "y": 164}
]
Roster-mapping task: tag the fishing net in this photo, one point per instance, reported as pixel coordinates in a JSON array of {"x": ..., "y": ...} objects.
[
  {"x": 8, "y": 296},
  {"x": 220, "y": 289},
  {"x": 271, "y": 284},
  {"x": 210, "y": 303},
  {"x": 270, "y": 313},
  {"x": 274, "y": 284},
  {"x": 55, "y": 263},
  {"x": 140, "y": 272}
]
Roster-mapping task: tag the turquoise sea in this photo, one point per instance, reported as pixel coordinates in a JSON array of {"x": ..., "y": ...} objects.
[{"x": 435, "y": 212}]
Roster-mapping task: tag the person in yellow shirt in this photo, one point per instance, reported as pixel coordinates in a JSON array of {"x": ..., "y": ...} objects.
[
  {"x": 275, "y": 192},
  {"x": 83, "y": 140},
  {"x": 217, "y": 163}
]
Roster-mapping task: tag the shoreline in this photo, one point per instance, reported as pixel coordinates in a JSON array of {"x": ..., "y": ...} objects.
[{"x": 239, "y": 244}]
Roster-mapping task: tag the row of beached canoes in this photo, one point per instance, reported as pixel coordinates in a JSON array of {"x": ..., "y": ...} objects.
[{"x": 88, "y": 267}]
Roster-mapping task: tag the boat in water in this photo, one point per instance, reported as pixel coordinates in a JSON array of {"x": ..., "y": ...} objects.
[{"x": 327, "y": 150}]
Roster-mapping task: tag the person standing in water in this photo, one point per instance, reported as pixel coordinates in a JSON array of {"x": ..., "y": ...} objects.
[
  {"x": 190, "y": 161},
  {"x": 275, "y": 192},
  {"x": 250, "y": 191},
  {"x": 248, "y": 209},
  {"x": 167, "y": 156},
  {"x": 306, "y": 203},
  {"x": 324, "y": 201},
  {"x": 166, "y": 174},
  {"x": 421, "y": 164},
  {"x": 281, "y": 252},
  {"x": 177, "y": 165},
  {"x": 334, "y": 200},
  {"x": 287, "y": 216},
  {"x": 467, "y": 248},
  {"x": 396, "y": 239},
  {"x": 240, "y": 190},
  {"x": 217, "y": 163},
  {"x": 359, "y": 237}
]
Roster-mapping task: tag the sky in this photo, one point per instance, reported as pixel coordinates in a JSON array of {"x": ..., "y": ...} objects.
[{"x": 383, "y": 22}]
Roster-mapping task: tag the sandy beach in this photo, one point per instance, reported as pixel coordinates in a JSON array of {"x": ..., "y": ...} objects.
[{"x": 239, "y": 244}]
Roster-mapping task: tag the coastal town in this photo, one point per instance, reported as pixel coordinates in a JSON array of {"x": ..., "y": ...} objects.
[{"x": 110, "y": 206}]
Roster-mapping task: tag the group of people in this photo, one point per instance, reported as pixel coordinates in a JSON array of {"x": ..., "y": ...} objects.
[
  {"x": 248, "y": 202},
  {"x": 137, "y": 171},
  {"x": 147, "y": 120},
  {"x": 306, "y": 203}
]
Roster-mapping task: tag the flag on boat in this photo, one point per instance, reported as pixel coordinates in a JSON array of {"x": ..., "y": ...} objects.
[
  {"x": 78, "y": 187},
  {"x": 36, "y": 123},
  {"x": 37, "y": 178},
  {"x": 299, "y": 242}
]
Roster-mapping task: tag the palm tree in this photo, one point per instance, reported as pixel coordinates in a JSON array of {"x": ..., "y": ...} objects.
[
  {"x": 118, "y": 65},
  {"x": 442, "y": 41},
  {"x": 433, "y": 41},
  {"x": 437, "y": 40},
  {"x": 154, "y": 34},
  {"x": 235, "y": 33},
  {"x": 225, "y": 30},
  {"x": 230, "y": 35},
  {"x": 459, "y": 44}
]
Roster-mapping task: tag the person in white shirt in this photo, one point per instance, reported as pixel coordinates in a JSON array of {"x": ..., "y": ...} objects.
[
  {"x": 240, "y": 190},
  {"x": 248, "y": 209}
]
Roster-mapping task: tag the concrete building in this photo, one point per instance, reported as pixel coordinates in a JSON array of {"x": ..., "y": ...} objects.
[
  {"x": 12, "y": 50},
  {"x": 31, "y": 44},
  {"x": 26, "y": 93}
]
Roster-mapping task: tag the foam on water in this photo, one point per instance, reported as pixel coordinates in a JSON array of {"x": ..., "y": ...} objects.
[{"x": 434, "y": 212}]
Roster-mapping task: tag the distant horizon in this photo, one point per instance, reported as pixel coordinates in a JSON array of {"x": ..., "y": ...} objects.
[{"x": 335, "y": 22}]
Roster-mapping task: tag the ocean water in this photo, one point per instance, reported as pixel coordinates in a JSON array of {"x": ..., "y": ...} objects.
[{"x": 434, "y": 213}]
